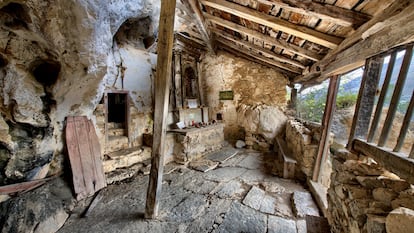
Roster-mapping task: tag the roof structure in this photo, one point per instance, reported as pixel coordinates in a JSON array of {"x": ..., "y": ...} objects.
[{"x": 292, "y": 36}]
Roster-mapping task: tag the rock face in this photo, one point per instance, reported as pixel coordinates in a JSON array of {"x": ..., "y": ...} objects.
[
  {"x": 400, "y": 220},
  {"x": 56, "y": 59}
]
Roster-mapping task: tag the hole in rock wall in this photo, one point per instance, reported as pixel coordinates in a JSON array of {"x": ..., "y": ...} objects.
[
  {"x": 3, "y": 61},
  {"x": 137, "y": 32},
  {"x": 4, "y": 158},
  {"x": 46, "y": 72},
  {"x": 15, "y": 16}
]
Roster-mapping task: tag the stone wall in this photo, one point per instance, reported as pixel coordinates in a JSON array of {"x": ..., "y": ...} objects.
[
  {"x": 259, "y": 96},
  {"x": 303, "y": 140},
  {"x": 362, "y": 194}
]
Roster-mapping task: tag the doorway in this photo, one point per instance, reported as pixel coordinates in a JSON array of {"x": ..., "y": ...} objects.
[{"x": 116, "y": 114}]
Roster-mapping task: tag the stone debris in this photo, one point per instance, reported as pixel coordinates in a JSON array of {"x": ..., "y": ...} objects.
[
  {"x": 232, "y": 189},
  {"x": 240, "y": 144},
  {"x": 400, "y": 220},
  {"x": 123, "y": 173},
  {"x": 203, "y": 165},
  {"x": 222, "y": 155},
  {"x": 304, "y": 205}
]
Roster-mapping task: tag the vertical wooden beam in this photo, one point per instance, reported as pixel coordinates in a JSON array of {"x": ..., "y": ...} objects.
[
  {"x": 326, "y": 126},
  {"x": 381, "y": 99},
  {"x": 365, "y": 103},
  {"x": 177, "y": 80},
  {"x": 162, "y": 82},
  {"x": 411, "y": 156},
  {"x": 405, "y": 125},
  {"x": 396, "y": 96}
]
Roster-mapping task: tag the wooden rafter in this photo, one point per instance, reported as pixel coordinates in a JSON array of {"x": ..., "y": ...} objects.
[
  {"x": 200, "y": 22},
  {"x": 334, "y": 14},
  {"x": 260, "y": 49},
  {"x": 267, "y": 39},
  {"x": 303, "y": 32},
  {"x": 380, "y": 34},
  {"x": 259, "y": 57},
  {"x": 191, "y": 41}
]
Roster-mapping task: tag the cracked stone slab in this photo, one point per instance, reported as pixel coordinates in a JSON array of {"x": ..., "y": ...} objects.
[
  {"x": 251, "y": 162},
  {"x": 254, "y": 198},
  {"x": 252, "y": 177},
  {"x": 203, "y": 165},
  {"x": 200, "y": 186},
  {"x": 283, "y": 205},
  {"x": 304, "y": 205},
  {"x": 222, "y": 155},
  {"x": 232, "y": 189},
  {"x": 241, "y": 218},
  {"x": 188, "y": 209},
  {"x": 268, "y": 205},
  {"x": 224, "y": 174},
  {"x": 280, "y": 225}
]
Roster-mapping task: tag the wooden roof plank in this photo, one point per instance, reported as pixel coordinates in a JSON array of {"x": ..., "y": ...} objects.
[
  {"x": 326, "y": 40},
  {"x": 260, "y": 49},
  {"x": 268, "y": 39},
  {"x": 338, "y": 15},
  {"x": 257, "y": 56}
]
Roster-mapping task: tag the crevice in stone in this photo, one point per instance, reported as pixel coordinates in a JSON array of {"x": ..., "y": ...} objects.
[
  {"x": 3, "y": 61},
  {"x": 46, "y": 72},
  {"x": 15, "y": 16},
  {"x": 135, "y": 31}
]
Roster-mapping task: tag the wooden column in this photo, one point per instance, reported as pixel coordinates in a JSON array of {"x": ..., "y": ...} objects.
[
  {"x": 366, "y": 97},
  {"x": 326, "y": 126},
  {"x": 396, "y": 96},
  {"x": 162, "y": 82},
  {"x": 177, "y": 80}
]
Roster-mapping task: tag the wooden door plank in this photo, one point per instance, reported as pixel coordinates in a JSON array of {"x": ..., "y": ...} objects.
[{"x": 99, "y": 175}]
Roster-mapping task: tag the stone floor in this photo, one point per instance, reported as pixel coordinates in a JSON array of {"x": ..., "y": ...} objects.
[{"x": 237, "y": 195}]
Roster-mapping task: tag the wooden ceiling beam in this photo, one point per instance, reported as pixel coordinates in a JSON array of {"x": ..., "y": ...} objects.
[
  {"x": 303, "y": 32},
  {"x": 200, "y": 22},
  {"x": 380, "y": 34},
  {"x": 331, "y": 13},
  {"x": 190, "y": 41},
  {"x": 259, "y": 57},
  {"x": 224, "y": 47},
  {"x": 259, "y": 49},
  {"x": 267, "y": 39}
]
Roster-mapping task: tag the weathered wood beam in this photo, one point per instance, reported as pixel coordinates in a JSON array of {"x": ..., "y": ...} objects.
[
  {"x": 381, "y": 99},
  {"x": 162, "y": 83},
  {"x": 191, "y": 41},
  {"x": 267, "y": 39},
  {"x": 405, "y": 125},
  {"x": 392, "y": 28},
  {"x": 396, "y": 95},
  {"x": 259, "y": 57},
  {"x": 392, "y": 161},
  {"x": 365, "y": 102},
  {"x": 225, "y": 47},
  {"x": 200, "y": 23},
  {"x": 259, "y": 49},
  {"x": 326, "y": 127},
  {"x": 331, "y": 13},
  {"x": 306, "y": 33}
]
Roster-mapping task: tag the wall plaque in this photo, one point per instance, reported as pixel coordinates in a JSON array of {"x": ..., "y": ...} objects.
[{"x": 226, "y": 95}]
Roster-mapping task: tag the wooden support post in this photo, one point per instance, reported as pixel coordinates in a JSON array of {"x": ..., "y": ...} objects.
[
  {"x": 381, "y": 99},
  {"x": 411, "y": 156},
  {"x": 396, "y": 96},
  {"x": 326, "y": 126},
  {"x": 293, "y": 97},
  {"x": 365, "y": 103},
  {"x": 177, "y": 80},
  {"x": 405, "y": 125},
  {"x": 162, "y": 82}
]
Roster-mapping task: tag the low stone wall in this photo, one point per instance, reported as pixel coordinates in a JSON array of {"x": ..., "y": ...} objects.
[
  {"x": 192, "y": 143},
  {"x": 362, "y": 194},
  {"x": 303, "y": 139}
]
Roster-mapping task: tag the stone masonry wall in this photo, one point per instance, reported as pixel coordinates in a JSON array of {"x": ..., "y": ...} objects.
[
  {"x": 259, "y": 96},
  {"x": 303, "y": 141},
  {"x": 362, "y": 194}
]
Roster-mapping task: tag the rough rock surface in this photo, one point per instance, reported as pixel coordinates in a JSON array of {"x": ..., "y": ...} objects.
[
  {"x": 400, "y": 220},
  {"x": 56, "y": 60}
]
